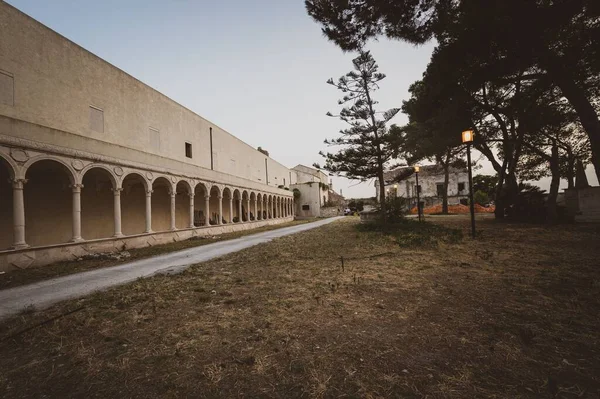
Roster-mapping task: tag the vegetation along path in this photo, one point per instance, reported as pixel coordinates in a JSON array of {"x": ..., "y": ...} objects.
[{"x": 45, "y": 293}]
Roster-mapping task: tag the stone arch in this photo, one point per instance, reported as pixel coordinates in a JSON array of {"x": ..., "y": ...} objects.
[
  {"x": 7, "y": 175},
  {"x": 201, "y": 208},
  {"x": 253, "y": 206},
  {"x": 215, "y": 205},
  {"x": 97, "y": 202},
  {"x": 183, "y": 210},
  {"x": 71, "y": 172},
  {"x": 109, "y": 173},
  {"x": 161, "y": 203},
  {"x": 48, "y": 198},
  {"x": 237, "y": 206},
  {"x": 11, "y": 167},
  {"x": 259, "y": 206},
  {"x": 270, "y": 207},
  {"x": 227, "y": 204},
  {"x": 133, "y": 203},
  {"x": 245, "y": 206}
]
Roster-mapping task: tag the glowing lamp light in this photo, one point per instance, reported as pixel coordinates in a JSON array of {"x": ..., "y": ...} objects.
[
  {"x": 395, "y": 186},
  {"x": 417, "y": 169},
  {"x": 467, "y": 136}
]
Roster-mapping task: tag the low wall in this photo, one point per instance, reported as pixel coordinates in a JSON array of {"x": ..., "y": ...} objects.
[
  {"x": 331, "y": 211},
  {"x": 42, "y": 256}
]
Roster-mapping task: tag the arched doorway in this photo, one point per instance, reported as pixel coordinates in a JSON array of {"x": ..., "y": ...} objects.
[
  {"x": 97, "y": 204},
  {"x": 133, "y": 204},
  {"x": 183, "y": 210},
  {"x": 215, "y": 208},
  {"x": 201, "y": 205},
  {"x": 48, "y": 203},
  {"x": 161, "y": 204}
]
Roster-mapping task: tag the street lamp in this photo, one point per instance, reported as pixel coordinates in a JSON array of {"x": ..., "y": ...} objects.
[
  {"x": 418, "y": 198},
  {"x": 395, "y": 190},
  {"x": 467, "y": 137}
]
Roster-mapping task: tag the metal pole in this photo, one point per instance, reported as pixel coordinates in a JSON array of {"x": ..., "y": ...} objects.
[
  {"x": 418, "y": 197},
  {"x": 471, "y": 191}
]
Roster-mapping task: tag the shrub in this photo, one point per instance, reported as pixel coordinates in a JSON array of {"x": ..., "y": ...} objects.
[
  {"x": 395, "y": 209},
  {"x": 481, "y": 197}
]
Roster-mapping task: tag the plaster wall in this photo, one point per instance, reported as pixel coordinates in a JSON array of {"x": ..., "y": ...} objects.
[
  {"x": 56, "y": 82},
  {"x": 309, "y": 196}
]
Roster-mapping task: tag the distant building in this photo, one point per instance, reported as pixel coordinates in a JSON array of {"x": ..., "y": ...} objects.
[
  {"x": 401, "y": 182},
  {"x": 316, "y": 192}
]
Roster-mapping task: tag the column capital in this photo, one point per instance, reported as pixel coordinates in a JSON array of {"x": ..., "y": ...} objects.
[
  {"x": 17, "y": 183},
  {"x": 220, "y": 197},
  {"x": 117, "y": 191},
  {"x": 149, "y": 193},
  {"x": 207, "y": 197},
  {"x": 191, "y": 195},
  {"x": 76, "y": 187},
  {"x": 172, "y": 193}
]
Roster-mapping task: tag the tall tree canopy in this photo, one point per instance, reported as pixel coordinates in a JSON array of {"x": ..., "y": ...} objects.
[
  {"x": 366, "y": 146},
  {"x": 554, "y": 42}
]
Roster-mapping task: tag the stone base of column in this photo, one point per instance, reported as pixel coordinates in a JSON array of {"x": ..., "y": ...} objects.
[
  {"x": 19, "y": 246},
  {"x": 77, "y": 239},
  {"x": 119, "y": 235}
]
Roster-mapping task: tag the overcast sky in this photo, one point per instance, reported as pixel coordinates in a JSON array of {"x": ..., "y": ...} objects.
[{"x": 255, "y": 68}]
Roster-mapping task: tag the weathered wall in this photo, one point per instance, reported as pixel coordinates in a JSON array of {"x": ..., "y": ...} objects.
[
  {"x": 44, "y": 256},
  {"x": 428, "y": 183},
  {"x": 56, "y": 82},
  {"x": 309, "y": 195},
  {"x": 584, "y": 204}
]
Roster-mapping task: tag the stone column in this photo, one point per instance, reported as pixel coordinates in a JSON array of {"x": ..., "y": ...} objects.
[
  {"x": 76, "y": 212},
  {"x": 117, "y": 211},
  {"x": 18, "y": 214},
  {"x": 220, "y": 219},
  {"x": 148, "y": 211},
  {"x": 248, "y": 209},
  {"x": 240, "y": 210},
  {"x": 255, "y": 208},
  {"x": 207, "y": 210},
  {"x": 191, "y": 225},
  {"x": 230, "y": 209},
  {"x": 173, "y": 210}
]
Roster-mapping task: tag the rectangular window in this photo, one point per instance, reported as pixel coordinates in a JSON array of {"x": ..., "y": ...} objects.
[
  {"x": 306, "y": 207},
  {"x": 440, "y": 189},
  {"x": 96, "y": 119},
  {"x": 154, "y": 135},
  {"x": 461, "y": 186},
  {"x": 7, "y": 89},
  {"x": 188, "y": 150}
]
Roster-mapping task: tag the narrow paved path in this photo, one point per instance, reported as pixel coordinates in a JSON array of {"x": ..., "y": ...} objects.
[{"x": 48, "y": 292}]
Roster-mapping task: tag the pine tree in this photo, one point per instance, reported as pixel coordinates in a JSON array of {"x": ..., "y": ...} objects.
[{"x": 367, "y": 145}]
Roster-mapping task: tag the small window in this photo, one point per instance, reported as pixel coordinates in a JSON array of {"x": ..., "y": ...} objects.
[
  {"x": 306, "y": 207},
  {"x": 188, "y": 150},
  {"x": 154, "y": 135},
  {"x": 440, "y": 189},
  {"x": 7, "y": 89},
  {"x": 461, "y": 186},
  {"x": 96, "y": 119}
]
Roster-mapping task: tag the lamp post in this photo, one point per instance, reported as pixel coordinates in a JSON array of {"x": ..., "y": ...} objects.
[
  {"x": 467, "y": 137},
  {"x": 418, "y": 197}
]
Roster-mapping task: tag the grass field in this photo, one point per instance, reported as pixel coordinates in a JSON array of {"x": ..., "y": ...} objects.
[{"x": 419, "y": 311}]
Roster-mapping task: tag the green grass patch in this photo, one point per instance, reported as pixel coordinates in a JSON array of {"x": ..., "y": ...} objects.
[{"x": 410, "y": 233}]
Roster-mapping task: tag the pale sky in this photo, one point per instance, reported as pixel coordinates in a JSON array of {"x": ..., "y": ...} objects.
[{"x": 255, "y": 68}]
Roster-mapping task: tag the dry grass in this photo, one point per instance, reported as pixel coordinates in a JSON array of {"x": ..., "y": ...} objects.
[
  {"x": 511, "y": 315},
  {"x": 26, "y": 276}
]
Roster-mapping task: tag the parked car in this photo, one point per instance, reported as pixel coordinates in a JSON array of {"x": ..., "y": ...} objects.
[{"x": 347, "y": 212}]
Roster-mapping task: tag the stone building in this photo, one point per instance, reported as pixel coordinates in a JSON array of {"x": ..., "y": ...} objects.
[
  {"x": 316, "y": 193},
  {"x": 401, "y": 182},
  {"x": 93, "y": 160}
]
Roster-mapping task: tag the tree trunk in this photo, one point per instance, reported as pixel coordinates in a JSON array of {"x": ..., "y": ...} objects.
[
  {"x": 571, "y": 172},
  {"x": 554, "y": 184},
  {"x": 582, "y": 105},
  {"x": 446, "y": 166}
]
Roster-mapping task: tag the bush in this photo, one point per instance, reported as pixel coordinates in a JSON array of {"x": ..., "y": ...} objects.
[
  {"x": 481, "y": 198},
  {"x": 395, "y": 209}
]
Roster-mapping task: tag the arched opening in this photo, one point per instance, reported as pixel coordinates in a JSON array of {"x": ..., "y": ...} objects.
[
  {"x": 259, "y": 206},
  {"x": 97, "y": 204},
  {"x": 48, "y": 203},
  {"x": 6, "y": 204},
  {"x": 201, "y": 211},
  {"x": 182, "y": 205},
  {"x": 252, "y": 206},
  {"x": 269, "y": 207},
  {"x": 161, "y": 204},
  {"x": 133, "y": 204},
  {"x": 227, "y": 206},
  {"x": 215, "y": 201},
  {"x": 237, "y": 206},
  {"x": 245, "y": 199}
]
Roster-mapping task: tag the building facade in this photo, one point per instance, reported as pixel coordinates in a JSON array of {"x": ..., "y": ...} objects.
[
  {"x": 92, "y": 160},
  {"x": 402, "y": 182}
]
